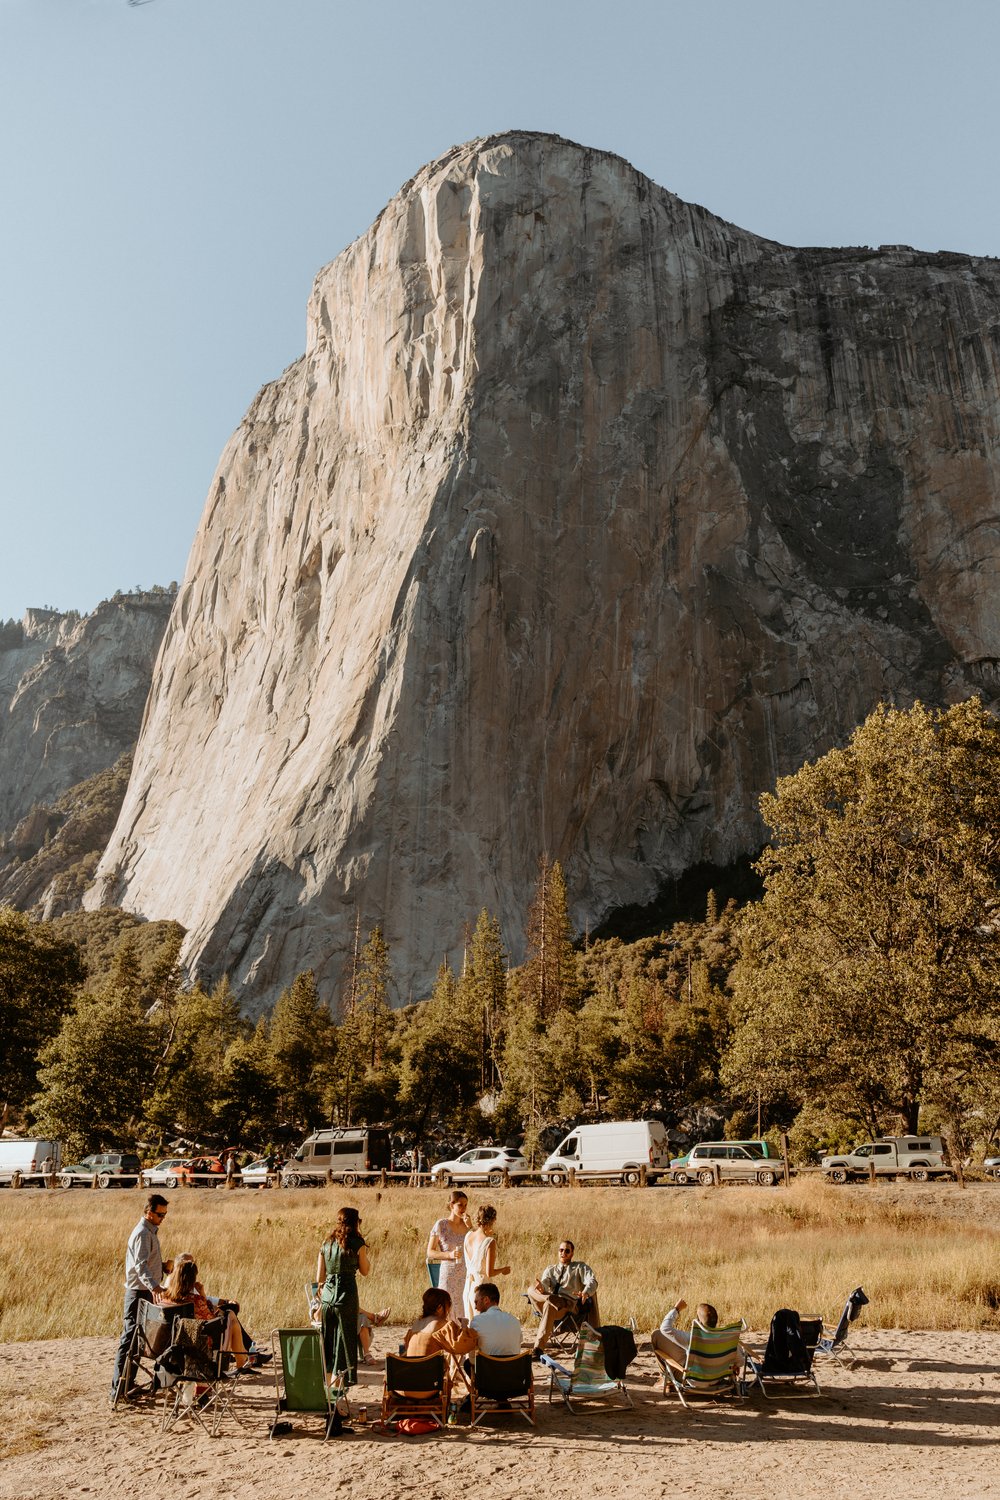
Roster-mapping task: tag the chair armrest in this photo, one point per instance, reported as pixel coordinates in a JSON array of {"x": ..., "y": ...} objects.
[{"x": 557, "y": 1369}]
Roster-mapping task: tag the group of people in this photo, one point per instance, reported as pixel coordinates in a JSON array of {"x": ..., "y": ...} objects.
[
  {"x": 170, "y": 1283},
  {"x": 460, "y": 1314}
]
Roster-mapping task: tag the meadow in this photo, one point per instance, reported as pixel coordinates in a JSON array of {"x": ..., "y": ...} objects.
[{"x": 929, "y": 1263}]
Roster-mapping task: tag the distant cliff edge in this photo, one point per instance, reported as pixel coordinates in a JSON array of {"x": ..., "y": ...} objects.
[{"x": 72, "y": 693}]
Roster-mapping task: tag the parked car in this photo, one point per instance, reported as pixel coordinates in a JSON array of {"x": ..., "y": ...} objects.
[
  {"x": 756, "y": 1148},
  {"x": 255, "y": 1173},
  {"x": 23, "y": 1159},
  {"x": 204, "y": 1171},
  {"x": 613, "y": 1148},
  {"x": 167, "y": 1173},
  {"x": 732, "y": 1161},
  {"x": 918, "y": 1157},
  {"x": 992, "y": 1166},
  {"x": 481, "y": 1164},
  {"x": 111, "y": 1168}
]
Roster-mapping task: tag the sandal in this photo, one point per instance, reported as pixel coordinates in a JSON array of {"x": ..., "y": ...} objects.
[{"x": 381, "y": 1317}]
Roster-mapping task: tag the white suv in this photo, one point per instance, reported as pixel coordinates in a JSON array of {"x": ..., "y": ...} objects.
[
  {"x": 482, "y": 1164},
  {"x": 732, "y": 1161}
]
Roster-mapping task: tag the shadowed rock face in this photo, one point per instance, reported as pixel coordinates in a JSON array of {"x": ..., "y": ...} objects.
[
  {"x": 72, "y": 693},
  {"x": 584, "y": 516}
]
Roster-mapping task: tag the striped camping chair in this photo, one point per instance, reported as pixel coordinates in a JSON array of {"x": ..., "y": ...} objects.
[
  {"x": 712, "y": 1366},
  {"x": 588, "y": 1378}
]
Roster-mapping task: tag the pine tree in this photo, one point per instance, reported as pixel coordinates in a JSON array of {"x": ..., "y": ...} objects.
[
  {"x": 373, "y": 983},
  {"x": 38, "y": 974},
  {"x": 482, "y": 992},
  {"x": 94, "y": 1074},
  {"x": 300, "y": 1043},
  {"x": 550, "y": 969}
]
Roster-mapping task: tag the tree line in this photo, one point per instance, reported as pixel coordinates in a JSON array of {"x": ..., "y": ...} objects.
[{"x": 859, "y": 995}]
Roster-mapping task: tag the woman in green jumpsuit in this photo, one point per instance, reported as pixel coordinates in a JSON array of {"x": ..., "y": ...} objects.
[{"x": 341, "y": 1256}]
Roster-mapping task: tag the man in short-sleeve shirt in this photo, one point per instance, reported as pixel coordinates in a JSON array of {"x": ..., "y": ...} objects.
[{"x": 498, "y": 1332}]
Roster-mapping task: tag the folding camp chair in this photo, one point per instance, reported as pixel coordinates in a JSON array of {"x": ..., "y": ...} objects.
[
  {"x": 712, "y": 1365},
  {"x": 787, "y": 1360},
  {"x": 833, "y": 1341},
  {"x": 153, "y": 1329},
  {"x": 195, "y": 1357},
  {"x": 588, "y": 1379},
  {"x": 301, "y": 1384},
  {"x": 564, "y": 1334},
  {"x": 404, "y": 1375},
  {"x": 502, "y": 1384}
]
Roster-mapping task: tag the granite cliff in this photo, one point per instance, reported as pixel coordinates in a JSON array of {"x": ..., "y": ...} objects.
[
  {"x": 583, "y": 516},
  {"x": 72, "y": 693}
]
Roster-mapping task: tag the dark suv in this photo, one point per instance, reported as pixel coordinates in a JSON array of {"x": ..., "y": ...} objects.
[{"x": 111, "y": 1168}]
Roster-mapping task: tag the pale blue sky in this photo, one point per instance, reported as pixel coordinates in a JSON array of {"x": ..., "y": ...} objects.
[{"x": 173, "y": 174}]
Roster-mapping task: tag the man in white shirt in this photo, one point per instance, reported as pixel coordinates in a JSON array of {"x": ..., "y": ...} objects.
[{"x": 498, "y": 1332}]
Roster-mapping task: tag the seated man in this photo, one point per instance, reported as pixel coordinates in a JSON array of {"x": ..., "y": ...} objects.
[
  {"x": 569, "y": 1286},
  {"x": 498, "y": 1332},
  {"x": 672, "y": 1342}
]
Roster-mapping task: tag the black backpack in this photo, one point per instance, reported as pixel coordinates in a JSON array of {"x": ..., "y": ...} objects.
[{"x": 786, "y": 1352}]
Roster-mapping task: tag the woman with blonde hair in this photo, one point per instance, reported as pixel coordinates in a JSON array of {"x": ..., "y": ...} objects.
[
  {"x": 445, "y": 1247},
  {"x": 182, "y": 1285},
  {"x": 480, "y": 1256},
  {"x": 341, "y": 1256}
]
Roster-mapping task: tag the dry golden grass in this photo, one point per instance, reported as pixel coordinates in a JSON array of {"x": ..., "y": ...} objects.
[{"x": 748, "y": 1250}]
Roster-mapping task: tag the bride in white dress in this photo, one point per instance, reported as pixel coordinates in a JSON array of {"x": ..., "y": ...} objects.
[{"x": 480, "y": 1257}]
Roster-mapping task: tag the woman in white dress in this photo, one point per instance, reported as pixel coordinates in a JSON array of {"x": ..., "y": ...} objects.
[
  {"x": 481, "y": 1256},
  {"x": 446, "y": 1245}
]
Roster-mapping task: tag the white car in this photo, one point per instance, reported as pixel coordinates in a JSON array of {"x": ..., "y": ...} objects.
[
  {"x": 255, "y": 1174},
  {"x": 992, "y": 1166},
  {"x": 165, "y": 1173},
  {"x": 481, "y": 1164}
]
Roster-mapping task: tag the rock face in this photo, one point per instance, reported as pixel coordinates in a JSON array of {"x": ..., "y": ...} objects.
[
  {"x": 72, "y": 692},
  {"x": 583, "y": 517}
]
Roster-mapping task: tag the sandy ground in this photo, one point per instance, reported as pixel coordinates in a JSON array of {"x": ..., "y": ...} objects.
[{"x": 918, "y": 1415}]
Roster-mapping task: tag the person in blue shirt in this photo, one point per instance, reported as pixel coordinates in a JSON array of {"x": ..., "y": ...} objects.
[{"x": 143, "y": 1279}]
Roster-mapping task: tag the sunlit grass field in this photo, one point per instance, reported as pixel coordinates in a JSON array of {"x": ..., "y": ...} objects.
[{"x": 748, "y": 1250}]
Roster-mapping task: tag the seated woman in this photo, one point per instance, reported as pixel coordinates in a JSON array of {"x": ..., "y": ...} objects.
[
  {"x": 182, "y": 1285},
  {"x": 437, "y": 1332},
  {"x": 366, "y": 1322}
]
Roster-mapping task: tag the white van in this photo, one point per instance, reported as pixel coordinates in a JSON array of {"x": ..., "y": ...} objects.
[
  {"x": 25, "y": 1158},
  {"x": 617, "y": 1148}
]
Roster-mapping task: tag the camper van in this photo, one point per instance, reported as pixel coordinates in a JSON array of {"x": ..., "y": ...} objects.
[
  {"x": 616, "y": 1148},
  {"x": 24, "y": 1159},
  {"x": 347, "y": 1155}
]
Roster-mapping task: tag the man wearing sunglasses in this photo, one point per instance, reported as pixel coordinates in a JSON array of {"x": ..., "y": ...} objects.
[
  {"x": 569, "y": 1288},
  {"x": 143, "y": 1276}
]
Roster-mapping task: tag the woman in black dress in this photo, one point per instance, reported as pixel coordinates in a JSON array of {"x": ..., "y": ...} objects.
[{"x": 341, "y": 1256}]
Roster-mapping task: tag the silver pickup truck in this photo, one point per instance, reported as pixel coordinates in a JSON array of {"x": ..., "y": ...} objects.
[{"x": 920, "y": 1157}]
